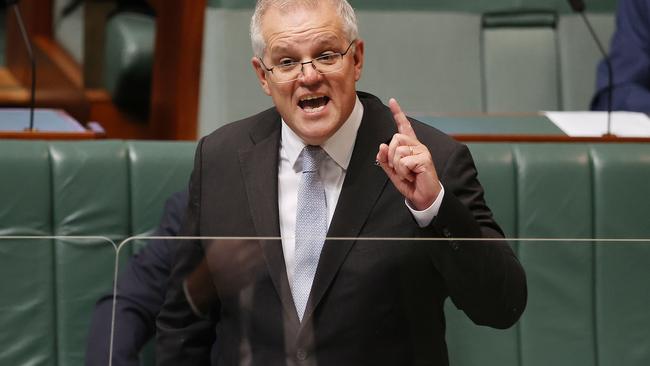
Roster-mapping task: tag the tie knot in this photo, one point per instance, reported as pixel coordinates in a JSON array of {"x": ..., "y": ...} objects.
[{"x": 311, "y": 158}]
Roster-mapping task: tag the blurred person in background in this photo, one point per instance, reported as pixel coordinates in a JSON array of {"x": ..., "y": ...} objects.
[{"x": 630, "y": 58}]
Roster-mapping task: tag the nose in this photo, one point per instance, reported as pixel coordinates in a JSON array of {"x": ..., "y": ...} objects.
[{"x": 309, "y": 73}]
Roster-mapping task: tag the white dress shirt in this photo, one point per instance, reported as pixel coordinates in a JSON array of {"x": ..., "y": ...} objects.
[{"x": 332, "y": 171}]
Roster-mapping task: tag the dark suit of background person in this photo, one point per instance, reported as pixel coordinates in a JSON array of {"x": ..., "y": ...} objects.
[
  {"x": 630, "y": 57},
  {"x": 141, "y": 288}
]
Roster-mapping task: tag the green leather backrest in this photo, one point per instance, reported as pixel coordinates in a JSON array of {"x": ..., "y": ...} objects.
[
  {"x": 26, "y": 266},
  {"x": 468, "y": 344},
  {"x": 157, "y": 169},
  {"x": 90, "y": 197},
  {"x": 621, "y": 271},
  {"x": 106, "y": 188},
  {"x": 586, "y": 302},
  {"x": 560, "y": 275}
]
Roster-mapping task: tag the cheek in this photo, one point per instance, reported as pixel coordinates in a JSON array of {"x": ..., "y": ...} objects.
[{"x": 281, "y": 95}]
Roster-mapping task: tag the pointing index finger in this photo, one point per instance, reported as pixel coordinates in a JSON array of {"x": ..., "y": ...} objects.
[{"x": 403, "y": 124}]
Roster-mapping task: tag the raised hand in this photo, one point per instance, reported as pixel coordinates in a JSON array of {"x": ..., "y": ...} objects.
[{"x": 408, "y": 163}]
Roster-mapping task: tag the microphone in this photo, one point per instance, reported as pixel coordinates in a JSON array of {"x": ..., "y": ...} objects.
[
  {"x": 579, "y": 7},
  {"x": 30, "y": 53}
]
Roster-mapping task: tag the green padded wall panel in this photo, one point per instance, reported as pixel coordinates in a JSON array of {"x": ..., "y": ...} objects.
[
  {"x": 229, "y": 87},
  {"x": 496, "y": 172},
  {"x": 157, "y": 169},
  {"x": 24, "y": 188},
  {"x": 622, "y": 202},
  {"x": 429, "y": 62},
  {"x": 520, "y": 69},
  {"x": 579, "y": 57},
  {"x": 468, "y": 343},
  {"x": 91, "y": 197},
  {"x": 554, "y": 201},
  {"x": 27, "y": 320}
]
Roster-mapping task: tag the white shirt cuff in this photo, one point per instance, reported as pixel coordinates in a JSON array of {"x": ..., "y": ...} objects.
[{"x": 424, "y": 217}]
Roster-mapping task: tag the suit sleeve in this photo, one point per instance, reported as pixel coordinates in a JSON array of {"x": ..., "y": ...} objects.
[
  {"x": 141, "y": 289},
  {"x": 630, "y": 58},
  {"x": 484, "y": 278},
  {"x": 182, "y": 337}
]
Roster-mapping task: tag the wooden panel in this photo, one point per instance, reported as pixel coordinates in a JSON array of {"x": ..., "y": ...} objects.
[
  {"x": 60, "y": 80},
  {"x": 96, "y": 13},
  {"x": 116, "y": 123},
  {"x": 11, "y": 92},
  {"x": 57, "y": 82},
  {"x": 37, "y": 16},
  {"x": 176, "y": 72}
]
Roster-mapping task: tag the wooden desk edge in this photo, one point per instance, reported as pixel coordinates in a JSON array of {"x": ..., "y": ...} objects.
[{"x": 50, "y": 135}]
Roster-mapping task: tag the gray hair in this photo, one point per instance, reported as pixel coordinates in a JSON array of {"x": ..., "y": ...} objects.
[{"x": 344, "y": 9}]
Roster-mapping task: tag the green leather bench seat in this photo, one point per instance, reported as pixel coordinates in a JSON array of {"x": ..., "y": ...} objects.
[
  {"x": 587, "y": 303},
  {"x": 26, "y": 307},
  {"x": 93, "y": 188}
]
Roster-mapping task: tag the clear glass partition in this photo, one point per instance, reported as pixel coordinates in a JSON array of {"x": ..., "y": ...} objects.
[{"x": 587, "y": 300}]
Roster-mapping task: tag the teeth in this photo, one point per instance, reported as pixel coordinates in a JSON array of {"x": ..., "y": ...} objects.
[
  {"x": 309, "y": 97},
  {"x": 314, "y": 110}
]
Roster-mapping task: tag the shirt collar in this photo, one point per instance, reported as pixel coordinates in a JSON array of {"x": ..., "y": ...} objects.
[{"x": 339, "y": 147}]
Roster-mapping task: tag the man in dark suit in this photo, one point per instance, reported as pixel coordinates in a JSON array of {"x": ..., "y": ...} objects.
[{"x": 375, "y": 174}]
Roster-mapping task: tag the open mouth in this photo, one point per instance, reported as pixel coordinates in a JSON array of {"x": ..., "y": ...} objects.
[{"x": 313, "y": 104}]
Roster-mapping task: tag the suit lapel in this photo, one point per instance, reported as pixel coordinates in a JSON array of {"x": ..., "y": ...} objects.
[
  {"x": 259, "y": 164},
  {"x": 363, "y": 185}
]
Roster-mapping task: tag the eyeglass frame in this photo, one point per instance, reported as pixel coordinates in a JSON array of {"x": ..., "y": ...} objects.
[{"x": 302, "y": 64}]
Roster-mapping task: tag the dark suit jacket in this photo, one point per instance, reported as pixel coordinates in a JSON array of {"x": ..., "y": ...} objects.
[
  {"x": 372, "y": 303},
  {"x": 630, "y": 58}
]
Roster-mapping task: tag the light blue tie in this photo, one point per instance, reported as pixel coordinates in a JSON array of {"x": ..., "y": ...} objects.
[{"x": 311, "y": 226}]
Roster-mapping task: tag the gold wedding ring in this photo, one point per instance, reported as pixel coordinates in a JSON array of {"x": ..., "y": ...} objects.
[{"x": 411, "y": 147}]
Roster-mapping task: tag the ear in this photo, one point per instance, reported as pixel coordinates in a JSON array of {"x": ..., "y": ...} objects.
[
  {"x": 261, "y": 73},
  {"x": 358, "y": 59}
]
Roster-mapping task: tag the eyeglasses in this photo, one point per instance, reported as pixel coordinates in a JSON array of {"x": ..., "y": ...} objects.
[{"x": 289, "y": 71}]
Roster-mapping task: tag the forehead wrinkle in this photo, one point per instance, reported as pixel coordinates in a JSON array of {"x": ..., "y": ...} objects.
[{"x": 285, "y": 43}]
